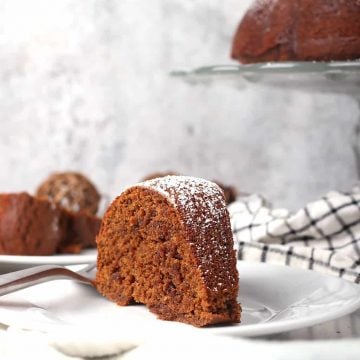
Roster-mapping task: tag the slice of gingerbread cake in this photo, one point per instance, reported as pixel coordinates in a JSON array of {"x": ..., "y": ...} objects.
[{"x": 167, "y": 243}]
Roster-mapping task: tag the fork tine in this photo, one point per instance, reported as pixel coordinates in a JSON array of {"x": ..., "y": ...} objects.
[
  {"x": 87, "y": 269},
  {"x": 18, "y": 280}
]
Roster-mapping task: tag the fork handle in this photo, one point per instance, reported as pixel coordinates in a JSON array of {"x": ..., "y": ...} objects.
[{"x": 36, "y": 275}]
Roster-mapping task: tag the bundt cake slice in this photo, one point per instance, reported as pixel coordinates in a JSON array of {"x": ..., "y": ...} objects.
[{"x": 167, "y": 243}]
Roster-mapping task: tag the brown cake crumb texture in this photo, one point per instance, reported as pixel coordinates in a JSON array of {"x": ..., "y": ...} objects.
[
  {"x": 167, "y": 243},
  {"x": 299, "y": 30},
  {"x": 72, "y": 191},
  {"x": 35, "y": 226}
]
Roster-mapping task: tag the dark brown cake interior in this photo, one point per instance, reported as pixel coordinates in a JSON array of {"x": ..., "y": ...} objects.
[{"x": 146, "y": 256}]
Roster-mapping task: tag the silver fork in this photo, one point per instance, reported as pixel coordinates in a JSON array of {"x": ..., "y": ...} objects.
[{"x": 22, "y": 279}]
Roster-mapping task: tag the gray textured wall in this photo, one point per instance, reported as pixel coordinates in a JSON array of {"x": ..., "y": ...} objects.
[{"x": 84, "y": 86}]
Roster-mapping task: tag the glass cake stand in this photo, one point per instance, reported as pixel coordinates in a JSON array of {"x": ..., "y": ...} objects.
[
  {"x": 331, "y": 77},
  {"x": 321, "y": 77}
]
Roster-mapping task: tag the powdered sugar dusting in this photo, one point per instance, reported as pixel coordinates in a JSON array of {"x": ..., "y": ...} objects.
[
  {"x": 187, "y": 193},
  {"x": 262, "y": 4},
  {"x": 202, "y": 207}
]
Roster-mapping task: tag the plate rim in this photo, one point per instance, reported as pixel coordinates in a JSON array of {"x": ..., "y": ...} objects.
[
  {"x": 270, "y": 328},
  {"x": 283, "y": 325},
  {"x": 85, "y": 256},
  {"x": 268, "y": 68}
]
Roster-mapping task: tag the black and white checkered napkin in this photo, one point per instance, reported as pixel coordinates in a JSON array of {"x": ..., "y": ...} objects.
[{"x": 323, "y": 236}]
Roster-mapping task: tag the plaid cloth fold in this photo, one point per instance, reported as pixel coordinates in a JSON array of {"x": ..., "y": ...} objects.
[{"x": 323, "y": 236}]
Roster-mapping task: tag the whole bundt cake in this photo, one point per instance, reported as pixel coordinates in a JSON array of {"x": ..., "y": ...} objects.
[
  {"x": 300, "y": 30},
  {"x": 167, "y": 243}
]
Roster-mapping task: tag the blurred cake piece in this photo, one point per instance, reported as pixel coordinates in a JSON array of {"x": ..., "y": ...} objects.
[
  {"x": 229, "y": 192},
  {"x": 36, "y": 226},
  {"x": 29, "y": 226},
  {"x": 81, "y": 231},
  {"x": 72, "y": 191}
]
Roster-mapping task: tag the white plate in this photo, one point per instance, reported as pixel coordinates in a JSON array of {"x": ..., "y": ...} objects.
[
  {"x": 334, "y": 77},
  {"x": 18, "y": 262},
  {"x": 274, "y": 299},
  {"x": 279, "y": 298}
]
